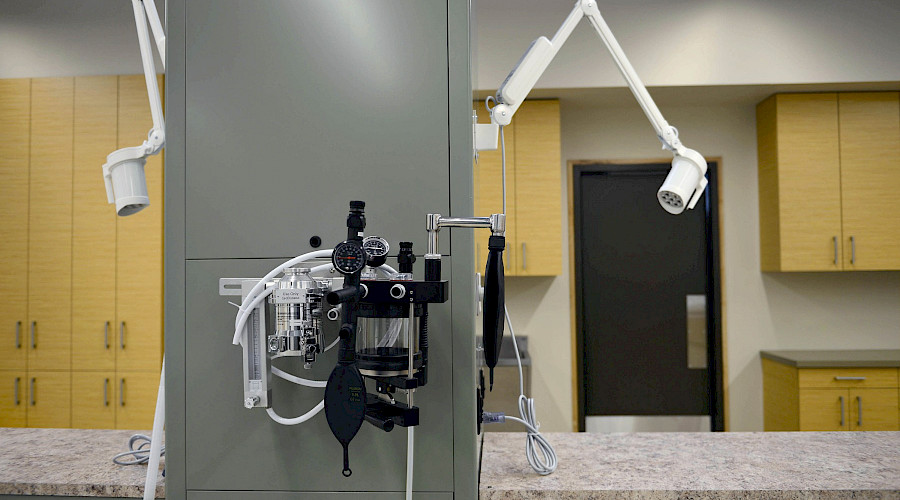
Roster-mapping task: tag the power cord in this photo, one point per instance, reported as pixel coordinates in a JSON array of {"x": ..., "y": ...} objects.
[
  {"x": 141, "y": 453},
  {"x": 539, "y": 452}
]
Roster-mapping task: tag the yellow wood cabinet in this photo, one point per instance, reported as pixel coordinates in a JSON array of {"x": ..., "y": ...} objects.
[
  {"x": 94, "y": 396},
  {"x": 50, "y": 225},
  {"x": 93, "y": 226},
  {"x": 829, "y": 170},
  {"x": 830, "y": 399},
  {"x": 136, "y": 399},
  {"x": 15, "y": 124},
  {"x": 534, "y": 206},
  {"x": 13, "y": 398},
  {"x": 82, "y": 310},
  {"x": 139, "y": 246},
  {"x": 49, "y": 399}
]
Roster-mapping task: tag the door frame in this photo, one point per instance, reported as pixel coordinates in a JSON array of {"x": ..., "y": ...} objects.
[{"x": 718, "y": 366}]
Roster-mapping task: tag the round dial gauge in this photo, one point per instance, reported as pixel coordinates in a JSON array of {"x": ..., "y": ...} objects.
[
  {"x": 375, "y": 246},
  {"x": 348, "y": 257}
]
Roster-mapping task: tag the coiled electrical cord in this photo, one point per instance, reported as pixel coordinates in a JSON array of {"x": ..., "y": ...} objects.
[
  {"x": 141, "y": 453},
  {"x": 539, "y": 452}
]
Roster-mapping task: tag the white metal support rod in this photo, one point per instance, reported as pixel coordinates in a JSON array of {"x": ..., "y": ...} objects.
[
  {"x": 156, "y": 437},
  {"x": 156, "y": 26},
  {"x": 664, "y": 131},
  {"x": 156, "y": 138}
]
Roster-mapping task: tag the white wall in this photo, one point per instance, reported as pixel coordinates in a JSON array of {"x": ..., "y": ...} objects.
[
  {"x": 42, "y": 38},
  {"x": 693, "y": 42}
]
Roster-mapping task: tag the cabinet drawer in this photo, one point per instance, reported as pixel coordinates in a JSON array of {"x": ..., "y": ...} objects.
[{"x": 847, "y": 377}]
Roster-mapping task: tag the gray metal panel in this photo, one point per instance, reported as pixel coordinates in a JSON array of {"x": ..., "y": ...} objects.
[
  {"x": 231, "y": 448},
  {"x": 174, "y": 249},
  {"x": 295, "y": 108}
]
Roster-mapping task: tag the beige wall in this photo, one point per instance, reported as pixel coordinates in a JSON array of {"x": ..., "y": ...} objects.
[{"x": 764, "y": 311}]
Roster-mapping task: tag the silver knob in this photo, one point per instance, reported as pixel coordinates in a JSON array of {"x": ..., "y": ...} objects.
[{"x": 251, "y": 402}]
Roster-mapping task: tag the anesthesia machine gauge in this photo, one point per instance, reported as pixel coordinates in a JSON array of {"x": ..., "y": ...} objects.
[
  {"x": 348, "y": 257},
  {"x": 375, "y": 246}
]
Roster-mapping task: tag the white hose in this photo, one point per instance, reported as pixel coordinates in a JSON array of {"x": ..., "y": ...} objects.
[
  {"x": 156, "y": 437},
  {"x": 296, "y": 420},
  {"x": 297, "y": 380}
]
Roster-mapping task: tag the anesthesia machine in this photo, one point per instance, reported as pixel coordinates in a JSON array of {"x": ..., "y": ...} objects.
[{"x": 278, "y": 114}]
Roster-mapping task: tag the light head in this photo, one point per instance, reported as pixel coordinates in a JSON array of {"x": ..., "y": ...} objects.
[
  {"x": 126, "y": 185},
  {"x": 685, "y": 183}
]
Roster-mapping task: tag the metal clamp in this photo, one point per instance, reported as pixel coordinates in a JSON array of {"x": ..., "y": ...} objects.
[
  {"x": 122, "y": 392},
  {"x": 849, "y": 378},
  {"x": 106, "y": 392},
  {"x": 841, "y": 399},
  {"x": 106, "y": 334},
  {"x": 16, "y": 390},
  {"x": 122, "y": 334}
]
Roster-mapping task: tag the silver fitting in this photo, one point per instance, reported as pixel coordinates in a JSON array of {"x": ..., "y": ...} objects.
[{"x": 498, "y": 224}]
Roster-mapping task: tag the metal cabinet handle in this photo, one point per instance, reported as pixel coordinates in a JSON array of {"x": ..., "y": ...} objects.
[
  {"x": 16, "y": 390},
  {"x": 852, "y": 250},
  {"x": 106, "y": 392},
  {"x": 524, "y": 266},
  {"x": 18, "y": 334},
  {"x": 835, "y": 250},
  {"x": 849, "y": 378},
  {"x": 859, "y": 412},
  {"x": 841, "y": 398},
  {"x": 122, "y": 392},
  {"x": 31, "y": 390},
  {"x": 122, "y": 335},
  {"x": 106, "y": 334},
  {"x": 33, "y": 337}
]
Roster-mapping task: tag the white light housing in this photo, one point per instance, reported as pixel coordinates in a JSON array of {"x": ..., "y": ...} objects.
[
  {"x": 126, "y": 184},
  {"x": 685, "y": 183}
]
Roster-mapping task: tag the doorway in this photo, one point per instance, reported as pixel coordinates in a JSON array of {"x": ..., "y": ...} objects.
[{"x": 647, "y": 303}]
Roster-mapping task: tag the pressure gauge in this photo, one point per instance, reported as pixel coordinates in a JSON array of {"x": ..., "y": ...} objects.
[
  {"x": 375, "y": 246},
  {"x": 348, "y": 257}
]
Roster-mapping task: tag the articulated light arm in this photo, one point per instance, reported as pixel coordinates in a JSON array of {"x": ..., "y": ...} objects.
[
  {"x": 686, "y": 181},
  {"x": 123, "y": 172}
]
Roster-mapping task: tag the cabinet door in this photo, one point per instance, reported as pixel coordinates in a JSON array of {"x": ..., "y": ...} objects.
[
  {"x": 538, "y": 244},
  {"x": 50, "y": 225},
  {"x": 139, "y": 240},
  {"x": 49, "y": 399},
  {"x": 873, "y": 410},
  {"x": 93, "y": 226},
  {"x": 136, "y": 402},
  {"x": 870, "y": 179},
  {"x": 799, "y": 183},
  {"x": 13, "y": 398},
  {"x": 15, "y": 119},
  {"x": 824, "y": 410},
  {"x": 94, "y": 400},
  {"x": 488, "y": 190}
]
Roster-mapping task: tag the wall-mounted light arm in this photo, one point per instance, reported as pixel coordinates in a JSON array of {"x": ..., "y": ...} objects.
[
  {"x": 685, "y": 182},
  {"x": 123, "y": 172}
]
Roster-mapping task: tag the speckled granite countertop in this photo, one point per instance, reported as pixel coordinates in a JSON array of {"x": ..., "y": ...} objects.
[
  {"x": 69, "y": 462},
  {"x": 663, "y": 466}
]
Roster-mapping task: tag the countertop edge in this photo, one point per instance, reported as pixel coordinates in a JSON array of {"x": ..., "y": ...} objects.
[
  {"x": 874, "y": 494},
  {"x": 777, "y": 356},
  {"x": 78, "y": 490}
]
